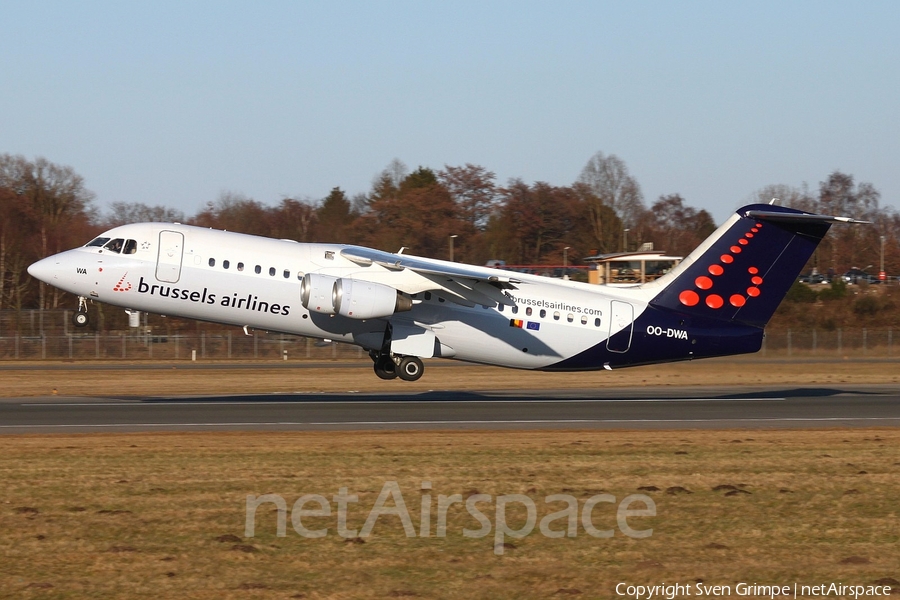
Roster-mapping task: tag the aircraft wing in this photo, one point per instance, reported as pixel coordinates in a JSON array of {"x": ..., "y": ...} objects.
[{"x": 464, "y": 284}]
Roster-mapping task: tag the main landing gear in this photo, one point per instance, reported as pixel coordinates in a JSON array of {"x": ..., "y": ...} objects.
[
  {"x": 407, "y": 368},
  {"x": 80, "y": 318},
  {"x": 390, "y": 366}
]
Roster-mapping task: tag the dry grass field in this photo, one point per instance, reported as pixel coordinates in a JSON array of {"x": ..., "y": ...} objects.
[
  {"x": 163, "y": 515},
  {"x": 172, "y": 379}
]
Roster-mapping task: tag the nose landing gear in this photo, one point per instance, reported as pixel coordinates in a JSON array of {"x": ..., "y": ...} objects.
[{"x": 80, "y": 318}]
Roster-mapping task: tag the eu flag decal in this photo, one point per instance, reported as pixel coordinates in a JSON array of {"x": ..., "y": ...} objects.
[{"x": 533, "y": 325}]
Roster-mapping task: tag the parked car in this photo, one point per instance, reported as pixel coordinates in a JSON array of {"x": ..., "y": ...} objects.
[
  {"x": 813, "y": 279},
  {"x": 855, "y": 275}
]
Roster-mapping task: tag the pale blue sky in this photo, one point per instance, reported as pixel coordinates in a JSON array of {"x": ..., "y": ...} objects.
[{"x": 174, "y": 102}]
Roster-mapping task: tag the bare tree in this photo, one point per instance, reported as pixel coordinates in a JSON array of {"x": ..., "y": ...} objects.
[
  {"x": 292, "y": 220},
  {"x": 472, "y": 188},
  {"x": 53, "y": 200},
  {"x": 786, "y": 195},
  {"x": 234, "y": 212},
  {"x": 334, "y": 218},
  {"x": 122, "y": 213},
  {"x": 608, "y": 180},
  {"x": 674, "y": 226}
]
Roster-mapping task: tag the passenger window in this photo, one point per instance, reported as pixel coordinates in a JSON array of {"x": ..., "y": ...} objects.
[
  {"x": 212, "y": 262},
  {"x": 500, "y": 307},
  {"x": 583, "y": 320},
  {"x": 97, "y": 242},
  {"x": 543, "y": 313},
  {"x": 130, "y": 247},
  {"x": 226, "y": 264},
  {"x": 115, "y": 245},
  {"x": 258, "y": 269},
  {"x": 597, "y": 322},
  {"x": 240, "y": 266},
  {"x": 515, "y": 309},
  {"x": 428, "y": 295},
  {"x": 271, "y": 271},
  {"x": 570, "y": 317},
  {"x": 287, "y": 274},
  {"x": 528, "y": 312},
  {"x": 300, "y": 276},
  {"x": 440, "y": 299},
  {"x": 556, "y": 315}
]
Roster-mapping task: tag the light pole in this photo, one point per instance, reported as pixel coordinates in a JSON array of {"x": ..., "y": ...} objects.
[
  {"x": 882, "y": 257},
  {"x": 452, "y": 237},
  {"x": 625, "y": 244},
  {"x": 566, "y": 262}
]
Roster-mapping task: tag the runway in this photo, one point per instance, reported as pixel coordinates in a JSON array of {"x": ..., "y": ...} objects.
[{"x": 624, "y": 408}]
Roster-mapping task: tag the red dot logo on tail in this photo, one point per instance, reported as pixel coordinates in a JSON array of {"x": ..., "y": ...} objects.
[
  {"x": 714, "y": 301},
  {"x": 689, "y": 298},
  {"x": 702, "y": 282}
]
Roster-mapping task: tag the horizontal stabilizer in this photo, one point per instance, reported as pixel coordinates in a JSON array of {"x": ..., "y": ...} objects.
[{"x": 782, "y": 217}]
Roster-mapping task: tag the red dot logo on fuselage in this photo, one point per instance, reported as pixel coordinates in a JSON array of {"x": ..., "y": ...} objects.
[{"x": 122, "y": 286}]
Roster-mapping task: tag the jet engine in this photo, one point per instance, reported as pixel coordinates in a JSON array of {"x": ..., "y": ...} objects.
[
  {"x": 317, "y": 293},
  {"x": 365, "y": 300}
]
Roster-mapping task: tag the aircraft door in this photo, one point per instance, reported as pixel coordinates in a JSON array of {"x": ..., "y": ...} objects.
[
  {"x": 168, "y": 262},
  {"x": 621, "y": 326}
]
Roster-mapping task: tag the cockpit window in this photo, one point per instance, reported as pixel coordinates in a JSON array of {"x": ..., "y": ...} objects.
[
  {"x": 97, "y": 242},
  {"x": 115, "y": 245},
  {"x": 130, "y": 247}
]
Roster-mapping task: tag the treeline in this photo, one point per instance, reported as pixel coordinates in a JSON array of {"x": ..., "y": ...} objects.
[{"x": 46, "y": 208}]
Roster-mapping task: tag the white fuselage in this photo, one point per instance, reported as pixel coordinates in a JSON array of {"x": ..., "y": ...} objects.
[{"x": 244, "y": 280}]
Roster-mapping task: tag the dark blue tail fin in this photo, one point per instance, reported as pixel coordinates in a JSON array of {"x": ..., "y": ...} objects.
[{"x": 743, "y": 271}]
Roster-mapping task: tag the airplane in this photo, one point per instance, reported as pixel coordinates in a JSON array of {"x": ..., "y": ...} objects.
[{"x": 403, "y": 308}]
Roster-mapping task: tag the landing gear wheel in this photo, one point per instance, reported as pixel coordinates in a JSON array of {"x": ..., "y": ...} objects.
[
  {"x": 411, "y": 368},
  {"x": 385, "y": 367},
  {"x": 80, "y": 319}
]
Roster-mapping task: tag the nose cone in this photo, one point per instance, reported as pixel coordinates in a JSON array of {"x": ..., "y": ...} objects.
[{"x": 46, "y": 269}]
